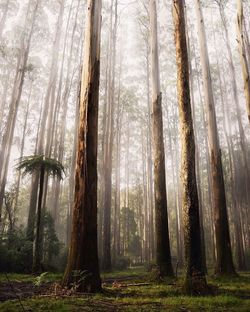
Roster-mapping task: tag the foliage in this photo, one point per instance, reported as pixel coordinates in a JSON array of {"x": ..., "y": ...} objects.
[
  {"x": 52, "y": 245},
  {"x": 29, "y": 164},
  {"x": 129, "y": 226},
  {"x": 79, "y": 278},
  {"x": 40, "y": 279},
  {"x": 15, "y": 251}
]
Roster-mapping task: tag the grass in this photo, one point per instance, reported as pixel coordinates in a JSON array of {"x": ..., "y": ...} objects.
[
  {"x": 233, "y": 296},
  {"x": 14, "y": 277},
  {"x": 130, "y": 272},
  {"x": 55, "y": 277}
]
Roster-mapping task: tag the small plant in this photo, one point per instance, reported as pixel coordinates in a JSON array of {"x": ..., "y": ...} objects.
[
  {"x": 40, "y": 279},
  {"x": 79, "y": 278}
]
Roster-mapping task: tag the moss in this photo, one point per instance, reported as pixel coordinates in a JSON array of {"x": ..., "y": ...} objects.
[
  {"x": 233, "y": 296},
  {"x": 13, "y": 277},
  {"x": 130, "y": 272}
]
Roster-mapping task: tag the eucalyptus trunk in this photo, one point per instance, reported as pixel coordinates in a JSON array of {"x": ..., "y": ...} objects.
[
  {"x": 163, "y": 254},
  {"x": 83, "y": 255},
  {"x": 224, "y": 261},
  {"x": 109, "y": 134},
  {"x": 195, "y": 281},
  {"x": 243, "y": 57}
]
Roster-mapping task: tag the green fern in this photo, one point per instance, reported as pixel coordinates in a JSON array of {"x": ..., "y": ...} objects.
[
  {"x": 29, "y": 164},
  {"x": 40, "y": 279}
]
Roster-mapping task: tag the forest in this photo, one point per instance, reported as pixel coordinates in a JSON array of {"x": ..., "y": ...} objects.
[{"x": 124, "y": 155}]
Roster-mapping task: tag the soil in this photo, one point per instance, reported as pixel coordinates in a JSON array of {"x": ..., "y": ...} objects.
[
  {"x": 15, "y": 290},
  {"x": 12, "y": 290}
]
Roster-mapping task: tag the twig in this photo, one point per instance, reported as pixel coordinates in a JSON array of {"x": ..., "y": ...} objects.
[{"x": 131, "y": 285}]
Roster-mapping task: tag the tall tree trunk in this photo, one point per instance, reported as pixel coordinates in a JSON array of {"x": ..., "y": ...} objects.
[
  {"x": 197, "y": 149},
  {"x": 150, "y": 208},
  {"x": 224, "y": 263},
  {"x": 15, "y": 99},
  {"x": 106, "y": 264},
  {"x": 30, "y": 230},
  {"x": 208, "y": 165},
  {"x": 233, "y": 172},
  {"x": 22, "y": 149},
  {"x": 236, "y": 101},
  {"x": 37, "y": 258},
  {"x": 178, "y": 244},
  {"x": 47, "y": 110},
  {"x": 195, "y": 281},
  {"x": 117, "y": 204},
  {"x": 73, "y": 166},
  {"x": 3, "y": 100},
  {"x": 242, "y": 51},
  {"x": 53, "y": 102},
  {"x": 83, "y": 255},
  {"x": 102, "y": 165},
  {"x": 163, "y": 254},
  {"x": 62, "y": 133}
]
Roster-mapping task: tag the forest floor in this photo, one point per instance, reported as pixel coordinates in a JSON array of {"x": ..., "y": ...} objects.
[{"x": 130, "y": 290}]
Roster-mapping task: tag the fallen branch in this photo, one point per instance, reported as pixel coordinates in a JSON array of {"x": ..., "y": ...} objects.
[{"x": 117, "y": 285}]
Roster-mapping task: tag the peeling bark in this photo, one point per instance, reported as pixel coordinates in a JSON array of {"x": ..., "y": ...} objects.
[{"x": 83, "y": 255}]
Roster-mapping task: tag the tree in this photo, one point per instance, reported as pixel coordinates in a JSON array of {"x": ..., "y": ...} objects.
[
  {"x": 83, "y": 255},
  {"x": 42, "y": 165},
  {"x": 163, "y": 254},
  {"x": 109, "y": 140},
  {"x": 224, "y": 261},
  {"x": 21, "y": 70},
  {"x": 195, "y": 281},
  {"x": 44, "y": 144},
  {"x": 243, "y": 57}
]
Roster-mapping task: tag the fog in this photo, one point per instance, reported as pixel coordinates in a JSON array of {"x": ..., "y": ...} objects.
[{"x": 41, "y": 56}]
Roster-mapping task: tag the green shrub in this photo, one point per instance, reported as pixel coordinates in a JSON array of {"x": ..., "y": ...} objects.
[{"x": 15, "y": 253}]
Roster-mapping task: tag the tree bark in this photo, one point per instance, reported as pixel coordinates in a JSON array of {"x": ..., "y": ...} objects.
[
  {"x": 242, "y": 51},
  {"x": 236, "y": 101},
  {"x": 197, "y": 149},
  {"x": 163, "y": 254},
  {"x": 106, "y": 264},
  {"x": 233, "y": 173},
  {"x": 117, "y": 204},
  {"x": 83, "y": 255},
  {"x": 195, "y": 281},
  {"x": 37, "y": 257},
  {"x": 224, "y": 261},
  {"x": 65, "y": 99},
  {"x": 22, "y": 149}
]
